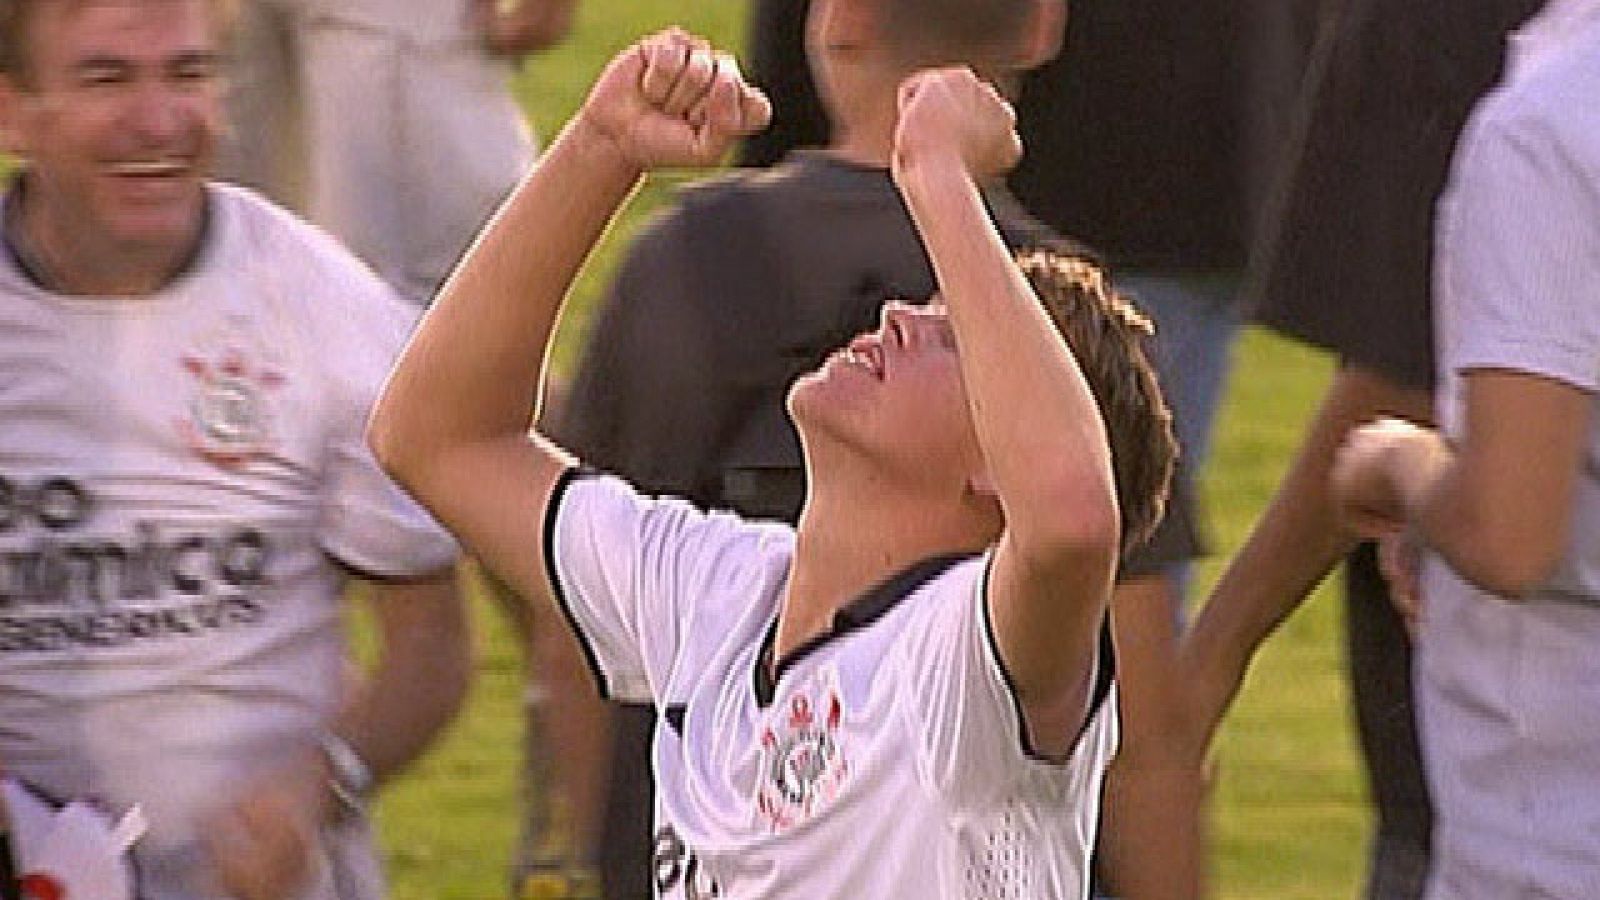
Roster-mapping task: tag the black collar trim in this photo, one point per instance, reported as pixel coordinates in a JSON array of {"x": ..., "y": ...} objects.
[
  {"x": 869, "y": 607},
  {"x": 34, "y": 269}
]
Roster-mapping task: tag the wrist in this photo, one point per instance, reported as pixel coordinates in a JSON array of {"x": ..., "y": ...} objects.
[
  {"x": 347, "y": 780},
  {"x": 1413, "y": 467},
  {"x": 934, "y": 187},
  {"x": 594, "y": 143},
  {"x": 928, "y": 170}
]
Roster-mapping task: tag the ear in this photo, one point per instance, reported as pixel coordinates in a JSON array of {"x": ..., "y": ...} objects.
[{"x": 1045, "y": 35}]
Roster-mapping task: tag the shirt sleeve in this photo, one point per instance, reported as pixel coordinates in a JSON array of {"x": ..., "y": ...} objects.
[
  {"x": 367, "y": 522},
  {"x": 1520, "y": 251},
  {"x": 651, "y": 586},
  {"x": 964, "y": 708}
]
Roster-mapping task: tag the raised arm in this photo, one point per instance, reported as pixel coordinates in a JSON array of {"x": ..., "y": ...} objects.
[
  {"x": 453, "y": 423},
  {"x": 1043, "y": 441}
]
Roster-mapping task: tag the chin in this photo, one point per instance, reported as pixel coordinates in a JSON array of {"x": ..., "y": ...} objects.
[
  {"x": 819, "y": 401},
  {"x": 157, "y": 229}
]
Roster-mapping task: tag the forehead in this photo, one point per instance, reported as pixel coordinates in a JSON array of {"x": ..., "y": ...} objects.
[{"x": 64, "y": 33}]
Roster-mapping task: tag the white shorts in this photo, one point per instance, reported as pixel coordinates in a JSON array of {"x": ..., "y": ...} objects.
[{"x": 383, "y": 121}]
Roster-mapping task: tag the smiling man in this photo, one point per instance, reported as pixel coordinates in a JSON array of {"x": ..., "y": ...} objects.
[{"x": 184, "y": 492}]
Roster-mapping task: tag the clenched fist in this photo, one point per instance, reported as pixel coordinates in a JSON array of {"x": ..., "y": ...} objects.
[
  {"x": 953, "y": 116},
  {"x": 1378, "y": 465},
  {"x": 670, "y": 100}
]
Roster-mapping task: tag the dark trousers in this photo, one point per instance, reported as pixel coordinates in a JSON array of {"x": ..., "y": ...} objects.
[
  {"x": 627, "y": 847},
  {"x": 1380, "y": 679}
]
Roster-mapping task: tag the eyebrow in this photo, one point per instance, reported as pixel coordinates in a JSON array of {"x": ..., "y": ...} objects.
[{"x": 103, "y": 62}]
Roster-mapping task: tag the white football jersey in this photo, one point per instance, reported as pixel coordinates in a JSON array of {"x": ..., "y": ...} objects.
[
  {"x": 183, "y": 481},
  {"x": 888, "y": 760}
]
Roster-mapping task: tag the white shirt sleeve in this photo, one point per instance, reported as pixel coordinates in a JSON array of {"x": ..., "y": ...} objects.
[
  {"x": 961, "y": 703},
  {"x": 651, "y": 586},
  {"x": 369, "y": 523},
  {"x": 1519, "y": 261}
]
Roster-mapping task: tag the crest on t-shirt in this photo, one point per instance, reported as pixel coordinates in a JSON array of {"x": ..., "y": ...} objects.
[
  {"x": 803, "y": 764},
  {"x": 230, "y": 417}
]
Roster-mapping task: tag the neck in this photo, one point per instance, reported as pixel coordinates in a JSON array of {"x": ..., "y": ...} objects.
[
  {"x": 66, "y": 260},
  {"x": 863, "y": 129},
  {"x": 853, "y": 537}
]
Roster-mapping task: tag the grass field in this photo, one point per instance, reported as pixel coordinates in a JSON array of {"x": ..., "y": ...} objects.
[{"x": 1290, "y": 817}]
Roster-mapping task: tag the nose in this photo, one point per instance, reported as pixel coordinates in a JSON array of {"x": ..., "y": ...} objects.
[{"x": 156, "y": 113}]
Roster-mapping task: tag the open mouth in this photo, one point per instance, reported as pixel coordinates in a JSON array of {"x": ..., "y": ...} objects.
[
  {"x": 866, "y": 354},
  {"x": 153, "y": 169}
]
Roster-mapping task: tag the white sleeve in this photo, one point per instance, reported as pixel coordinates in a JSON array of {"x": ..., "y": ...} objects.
[
  {"x": 1520, "y": 251},
  {"x": 962, "y": 705},
  {"x": 369, "y": 523},
  {"x": 650, "y": 585}
]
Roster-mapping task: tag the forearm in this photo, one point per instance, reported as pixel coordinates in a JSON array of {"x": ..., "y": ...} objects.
[
  {"x": 1498, "y": 507},
  {"x": 421, "y": 677},
  {"x": 1039, "y": 427},
  {"x": 1291, "y": 549},
  {"x": 1150, "y": 841}
]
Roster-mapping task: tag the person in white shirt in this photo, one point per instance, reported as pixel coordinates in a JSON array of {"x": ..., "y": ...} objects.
[
  {"x": 910, "y": 694},
  {"x": 392, "y": 124},
  {"x": 185, "y": 492},
  {"x": 1504, "y": 500}
]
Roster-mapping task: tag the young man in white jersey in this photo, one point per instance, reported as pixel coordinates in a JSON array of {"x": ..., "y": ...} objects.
[
  {"x": 185, "y": 372},
  {"x": 909, "y": 695}
]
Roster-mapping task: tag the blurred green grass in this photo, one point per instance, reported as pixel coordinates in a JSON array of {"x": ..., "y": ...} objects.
[{"x": 1290, "y": 818}]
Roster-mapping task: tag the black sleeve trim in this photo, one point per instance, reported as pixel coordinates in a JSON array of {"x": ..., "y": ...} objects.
[
  {"x": 675, "y": 714},
  {"x": 551, "y": 510},
  {"x": 1104, "y": 677}
]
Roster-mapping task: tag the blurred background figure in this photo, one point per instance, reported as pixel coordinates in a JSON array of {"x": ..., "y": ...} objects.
[
  {"x": 185, "y": 490},
  {"x": 392, "y": 125},
  {"x": 1343, "y": 262},
  {"x": 1496, "y": 514}
]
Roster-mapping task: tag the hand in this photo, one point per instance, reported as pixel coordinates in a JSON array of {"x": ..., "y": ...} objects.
[
  {"x": 1400, "y": 560},
  {"x": 1366, "y": 491},
  {"x": 513, "y": 29},
  {"x": 264, "y": 844},
  {"x": 670, "y": 101},
  {"x": 952, "y": 115}
]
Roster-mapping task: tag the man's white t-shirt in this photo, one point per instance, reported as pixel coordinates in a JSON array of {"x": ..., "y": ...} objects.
[
  {"x": 183, "y": 486},
  {"x": 887, "y": 761}
]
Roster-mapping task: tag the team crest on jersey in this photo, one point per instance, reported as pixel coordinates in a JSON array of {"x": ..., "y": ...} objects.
[
  {"x": 803, "y": 764},
  {"x": 230, "y": 414}
]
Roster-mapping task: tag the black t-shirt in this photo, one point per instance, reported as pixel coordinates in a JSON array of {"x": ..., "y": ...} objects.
[
  {"x": 1134, "y": 133},
  {"x": 1346, "y": 261}
]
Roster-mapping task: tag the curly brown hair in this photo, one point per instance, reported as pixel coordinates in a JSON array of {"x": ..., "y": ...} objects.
[{"x": 1107, "y": 334}]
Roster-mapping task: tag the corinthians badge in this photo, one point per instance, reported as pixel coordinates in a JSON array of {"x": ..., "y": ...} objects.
[
  {"x": 230, "y": 420},
  {"x": 802, "y": 763}
]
